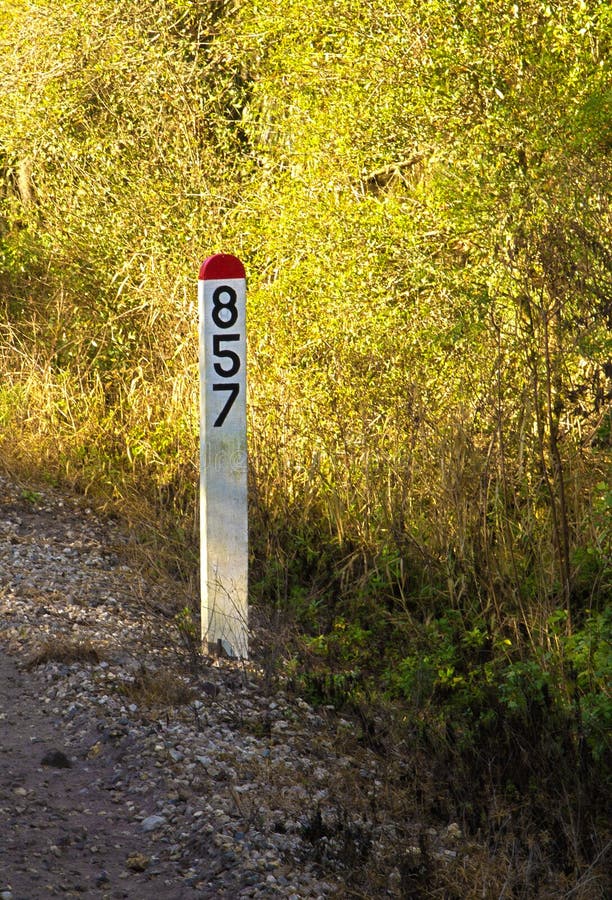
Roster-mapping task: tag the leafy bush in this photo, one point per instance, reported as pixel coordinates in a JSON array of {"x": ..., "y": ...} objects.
[{"x": 420, "y": 193}]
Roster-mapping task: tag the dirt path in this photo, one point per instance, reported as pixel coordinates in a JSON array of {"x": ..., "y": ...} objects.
[
  {"x": 124, "y": 771},
  {"x": 61, "y": 834}
]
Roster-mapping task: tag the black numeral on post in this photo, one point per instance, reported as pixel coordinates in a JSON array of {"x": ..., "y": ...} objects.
[
  {"x": 233, "y": 358},
  {"x": 225, "y": 315},
  {"x": 234, "y": 390},
  {"x": 224, "y": 307}
]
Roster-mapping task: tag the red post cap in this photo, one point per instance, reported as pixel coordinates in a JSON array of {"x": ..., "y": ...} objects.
[{"x": 220, "y": 267}]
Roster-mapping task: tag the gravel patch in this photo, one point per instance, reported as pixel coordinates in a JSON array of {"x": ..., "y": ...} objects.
[
  {"x": 130, "y": 777},
  {"x": 126, "y": 772}
]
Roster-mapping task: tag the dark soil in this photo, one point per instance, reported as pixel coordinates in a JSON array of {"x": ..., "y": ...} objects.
[{"x": 61, "y": 831}]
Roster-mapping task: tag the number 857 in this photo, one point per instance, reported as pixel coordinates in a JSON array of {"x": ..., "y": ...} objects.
[{"x": 224, "y": 316}]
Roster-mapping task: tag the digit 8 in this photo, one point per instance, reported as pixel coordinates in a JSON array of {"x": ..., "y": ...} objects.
[{"x": 219, "y": 304}]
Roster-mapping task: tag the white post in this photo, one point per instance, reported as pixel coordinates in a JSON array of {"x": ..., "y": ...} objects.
[{"x": 223, "y": 455}]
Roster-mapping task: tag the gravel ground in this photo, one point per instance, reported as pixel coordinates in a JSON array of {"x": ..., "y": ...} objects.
[
  {"x": 122, "y": 776},
  {"x": 126, "y": 773}
]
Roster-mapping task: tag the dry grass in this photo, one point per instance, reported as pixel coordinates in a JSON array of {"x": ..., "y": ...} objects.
[
  {"x": 64, "y": 650},
  {"x": 428, "y": 434},
  {"x": 402, "y": 832},
  {"x": 162, "y": 688}
]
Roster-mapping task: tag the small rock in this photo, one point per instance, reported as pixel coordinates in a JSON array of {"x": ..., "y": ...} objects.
[
  {"x": 137, "y": 862},
  {"x": 56, "y": 759},
  {"x": 152, "y": 822},
  {"x": 94, "y": 751}
]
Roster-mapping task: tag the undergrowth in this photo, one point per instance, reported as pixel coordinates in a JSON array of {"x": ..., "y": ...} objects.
[{"x": 420, "y": 195}]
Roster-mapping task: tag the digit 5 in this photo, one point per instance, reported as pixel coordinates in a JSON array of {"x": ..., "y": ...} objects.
[{"x": 234, "y": 359}]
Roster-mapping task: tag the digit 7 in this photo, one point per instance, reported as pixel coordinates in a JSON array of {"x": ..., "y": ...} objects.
[{"x": 233, "y": 389}]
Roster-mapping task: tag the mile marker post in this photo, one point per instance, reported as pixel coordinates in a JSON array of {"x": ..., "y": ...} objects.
[{"x": 223, "y": 455}]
